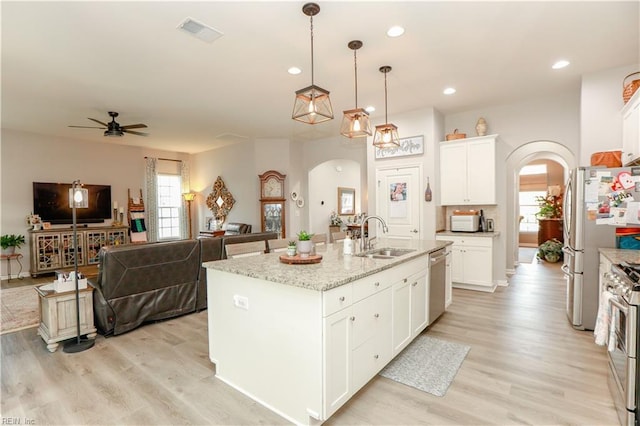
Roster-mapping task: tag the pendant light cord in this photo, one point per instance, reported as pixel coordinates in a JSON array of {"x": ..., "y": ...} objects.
[
  {"x": 311, "y": 19},
  {"x": 355, "y": 67},
  {"x": 386, "y": 120}
]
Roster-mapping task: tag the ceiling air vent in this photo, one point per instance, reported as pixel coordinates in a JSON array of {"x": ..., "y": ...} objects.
[{"x": 200, "y": 30}]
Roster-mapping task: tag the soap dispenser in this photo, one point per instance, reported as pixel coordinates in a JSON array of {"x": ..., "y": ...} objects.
[{"x": 347, "y": 245}]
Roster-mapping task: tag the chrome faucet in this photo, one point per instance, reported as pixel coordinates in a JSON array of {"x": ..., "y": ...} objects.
[{"x": 364, "y": 244}]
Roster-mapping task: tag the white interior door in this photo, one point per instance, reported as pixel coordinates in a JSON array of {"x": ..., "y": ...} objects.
[{"x": 398, "y": 195}]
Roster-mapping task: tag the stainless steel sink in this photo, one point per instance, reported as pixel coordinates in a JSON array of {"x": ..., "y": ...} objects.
[{"x": 385, "y": 253}]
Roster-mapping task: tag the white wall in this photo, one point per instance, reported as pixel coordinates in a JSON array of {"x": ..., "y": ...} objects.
[
  {"x": 324, "y": 180},
  {"x": 601, "y": 107},
  {"x": 28, "y": 158}
]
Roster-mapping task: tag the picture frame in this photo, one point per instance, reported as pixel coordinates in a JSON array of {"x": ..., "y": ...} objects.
[
  {"x": 46, "y": 225},
  {"x": 408, "y": 146},
  {"x": 346, "y": 201}
]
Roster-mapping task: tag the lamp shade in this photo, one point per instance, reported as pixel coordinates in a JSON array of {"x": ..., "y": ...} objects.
[
  {"x": 386, "y": 136},
  {"x": 355, "y": 123},
  {"x": 189, "y": 196},
  {"x": 312, "y": 105}
]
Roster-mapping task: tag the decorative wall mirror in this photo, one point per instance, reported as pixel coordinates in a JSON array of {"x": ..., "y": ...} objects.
[
  {"x": 220, "y": 201},
  {"x": 346, "y": 201}
]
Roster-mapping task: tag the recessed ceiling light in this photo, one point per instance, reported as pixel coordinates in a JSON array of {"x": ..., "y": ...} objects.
[
  {"x": 560, "y": 64},
  {"x": 395, "y": 31},
  {"x": 449, "y": 91},
  {"x": 294, "y": 70},
  {"x": 370, "y": 108}
]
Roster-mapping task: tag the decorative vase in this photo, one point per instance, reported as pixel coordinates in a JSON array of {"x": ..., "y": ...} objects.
[
  {"x": 481, "y": 127},
  {"x": 291, "y": 250},
  {"x": 9, "y": 250},
  {"x": 304, "y": 248}
]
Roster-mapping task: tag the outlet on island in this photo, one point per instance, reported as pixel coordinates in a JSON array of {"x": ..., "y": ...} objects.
[{"x": 241, "y": 302}]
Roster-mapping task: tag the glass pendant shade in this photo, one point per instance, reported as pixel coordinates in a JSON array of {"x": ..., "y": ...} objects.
[
  {"x": 386, "y": 135},
  {"x": 312, "y": 105},
  {"x": 355, "y": 122}
]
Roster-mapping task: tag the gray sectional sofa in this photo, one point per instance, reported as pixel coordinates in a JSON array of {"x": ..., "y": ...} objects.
[{"x": 139, "y": 283}]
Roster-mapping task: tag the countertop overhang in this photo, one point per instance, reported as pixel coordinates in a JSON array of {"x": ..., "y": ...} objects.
[
  {"x": 621, "y": 255},
  {"x": 334, "y": 270}
]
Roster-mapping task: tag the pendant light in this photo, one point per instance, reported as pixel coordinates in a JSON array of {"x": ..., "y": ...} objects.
[
  {"x": 312, "y": 103},
  {"x": 355, "y": 122},
  {"x": 386, "y": 135}
]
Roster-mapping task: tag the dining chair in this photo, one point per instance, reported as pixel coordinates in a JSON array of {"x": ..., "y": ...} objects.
[
  {"x": 252, "y": 248},
  {"x": 319, "y": 239},
  {"x": 277, "y": 245},
  {"x": 338, "y": 237}
]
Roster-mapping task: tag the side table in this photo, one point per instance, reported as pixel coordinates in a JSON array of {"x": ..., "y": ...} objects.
[
  {"x": 58, "y": 315},
  {"x": 9, "y": 258}
]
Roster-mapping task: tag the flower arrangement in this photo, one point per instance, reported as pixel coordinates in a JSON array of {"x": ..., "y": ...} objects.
[
  {"x": 33, "y": 219},
  {"x": 335, "y": 219},
  {"x": 551, "y": 204}
]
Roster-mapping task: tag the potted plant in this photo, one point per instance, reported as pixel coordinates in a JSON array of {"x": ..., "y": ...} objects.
[
  {"x": 305, "y": 245},
  {"x": 550, "y": 250},
  {"x": 9, "y": 243},
  {"x": 291, "y": 248}
]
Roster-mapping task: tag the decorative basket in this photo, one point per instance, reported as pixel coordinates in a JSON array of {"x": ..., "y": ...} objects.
[
  {"x": 607, "y": 159},
  {"x": 455, "y": 135},
  {"x": 629, "y": 86}
]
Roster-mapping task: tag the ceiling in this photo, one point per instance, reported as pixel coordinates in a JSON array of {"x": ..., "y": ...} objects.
[{"x": 63, "y": 62}]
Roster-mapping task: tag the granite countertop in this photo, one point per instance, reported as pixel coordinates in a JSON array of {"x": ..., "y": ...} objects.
[
  {"x": 468, "y": 234},
  {"x": 334, "y": 270},
  {"x": 618, "y": 255}
]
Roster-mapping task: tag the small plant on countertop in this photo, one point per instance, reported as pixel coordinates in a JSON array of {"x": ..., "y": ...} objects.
[
  {"x": 304, "y": 236},
  {"x": 292, "y": 243}
]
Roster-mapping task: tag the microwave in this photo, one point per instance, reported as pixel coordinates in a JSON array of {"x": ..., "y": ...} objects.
[{"x": 465, "y": 223}]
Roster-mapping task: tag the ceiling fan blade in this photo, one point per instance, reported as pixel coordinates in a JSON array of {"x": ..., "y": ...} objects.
[
  {"x": 134, "y": 126},
  {"x": 98, "y": 121},
  {"x": 134, "y": 133},
  {"x": 89, "y": 127}
]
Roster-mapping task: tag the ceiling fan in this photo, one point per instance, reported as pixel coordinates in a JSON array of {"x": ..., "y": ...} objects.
[{"x": 113, "y": 128}]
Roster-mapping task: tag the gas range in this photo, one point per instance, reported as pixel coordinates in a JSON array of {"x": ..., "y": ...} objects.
[{"x": 624, "y": 280}]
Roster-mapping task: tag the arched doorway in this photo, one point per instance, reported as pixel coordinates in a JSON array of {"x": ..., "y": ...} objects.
[{"x": 520, "y": 157}]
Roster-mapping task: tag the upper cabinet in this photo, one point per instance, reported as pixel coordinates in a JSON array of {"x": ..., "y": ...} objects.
[
  {"x": 631, "y": 130},
  {"x": 468, "y": 171}
]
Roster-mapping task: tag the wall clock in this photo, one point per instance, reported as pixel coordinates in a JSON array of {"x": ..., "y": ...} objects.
[{"x": 272, "y": 202}]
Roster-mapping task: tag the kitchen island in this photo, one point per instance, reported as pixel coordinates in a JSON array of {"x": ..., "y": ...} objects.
[{"x": 303, "y": 339}]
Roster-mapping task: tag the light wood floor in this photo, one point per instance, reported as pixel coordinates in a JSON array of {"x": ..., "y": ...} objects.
[{"x": 526, "y": 366}]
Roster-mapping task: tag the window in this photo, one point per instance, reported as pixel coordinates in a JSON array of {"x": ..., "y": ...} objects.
[
  {"x": 169, "y": 206},
  {"x": 528, "y": 209},
  {"x": 534, "y": 169}
]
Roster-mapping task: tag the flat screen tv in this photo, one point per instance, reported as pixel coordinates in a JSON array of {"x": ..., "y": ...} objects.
[{"x": 51, "y": 202}]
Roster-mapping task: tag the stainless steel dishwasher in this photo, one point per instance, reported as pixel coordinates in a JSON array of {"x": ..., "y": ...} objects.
[{"x": 437, "y": 283}]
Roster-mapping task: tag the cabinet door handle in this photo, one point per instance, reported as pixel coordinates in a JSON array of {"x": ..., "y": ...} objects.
[
  {"x": 377, "y": 284},
  {"x": 415, "y": 284},
  {"x": 376, "y": 356},
  {"x": 341, "y": 298},
  {"x": 404, "y": 280},
  {"x": 352, "y": 318},
  {"x": 376, "y": 315}
]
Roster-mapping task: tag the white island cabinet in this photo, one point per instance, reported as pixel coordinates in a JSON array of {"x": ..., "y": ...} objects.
[{"x": 303, "y": 339}]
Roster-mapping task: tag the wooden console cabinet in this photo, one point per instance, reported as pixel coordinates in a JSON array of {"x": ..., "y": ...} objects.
[{"x": 53, "y": 249}]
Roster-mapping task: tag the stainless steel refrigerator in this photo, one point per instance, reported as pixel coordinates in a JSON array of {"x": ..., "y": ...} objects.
[{"x": 585, "y": 205}]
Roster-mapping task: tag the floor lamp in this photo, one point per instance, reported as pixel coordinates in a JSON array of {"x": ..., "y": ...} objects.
[
  {"x": 77, "y": 198},
  {"x": 189, "y": 197}
]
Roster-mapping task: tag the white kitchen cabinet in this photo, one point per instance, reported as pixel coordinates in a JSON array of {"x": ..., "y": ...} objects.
[
  {"x": 410, "y": 313},
  {"x": 468, "y": 171},
  {"x": 471, "y": 262},
  {"x": 448, "y": 293},
  {"x": 337, "y": 359},
  {"x": 631, "y": 130}
]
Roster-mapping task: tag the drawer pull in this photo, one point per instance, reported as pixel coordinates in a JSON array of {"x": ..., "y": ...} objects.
[
  {"x": 341, "y": 298},
  {"x": 376, "y": 356},
  {"x": 415, "y": 284},
  {"x": 377, "y": 284},
  {"x": 376, "y": 315},
  {"x": 404, "y": 280},
  {"x": 352, "y": 318}
]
